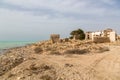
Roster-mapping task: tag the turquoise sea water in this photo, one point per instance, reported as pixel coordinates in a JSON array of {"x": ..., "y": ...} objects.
[{"x": 11, "y": 44}]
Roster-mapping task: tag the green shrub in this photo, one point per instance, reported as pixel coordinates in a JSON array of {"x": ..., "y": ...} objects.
[{"x": 77, "y": 34}]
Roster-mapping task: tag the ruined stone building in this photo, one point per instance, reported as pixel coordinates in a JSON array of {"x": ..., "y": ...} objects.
[
  {"x": 88, "y": 35},
  {"x": 118, "y": 37},
  {"x": 54, "y": 38},
  {"x": 107, "y": 35}
]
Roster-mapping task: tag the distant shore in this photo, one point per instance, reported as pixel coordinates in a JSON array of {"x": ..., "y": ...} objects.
[{"x": 5, "y": 45}]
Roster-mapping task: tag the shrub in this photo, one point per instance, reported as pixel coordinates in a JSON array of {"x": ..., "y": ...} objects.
[
  {"x": 99, "y": 49},
  {"x": 10, "y": 75},
  {"x": 46, "y": 77},
  {"x": 55, "y": 53},
  {"x": 68, "y": 65},
  {"x": 78, "y": 34},
  {"x": 48, "y": 49},
  {"x": 103, "y": 49},
  {"x": 38, "y": 50},
  {"x": 35, "y": 69},
  {"x": 66, "y": 39},
  {"x": 76, "y": 51},
  {"x": 46, "y": 67}
]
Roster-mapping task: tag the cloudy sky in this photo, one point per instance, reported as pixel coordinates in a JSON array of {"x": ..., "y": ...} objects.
[{"x": 36, "y": 19}]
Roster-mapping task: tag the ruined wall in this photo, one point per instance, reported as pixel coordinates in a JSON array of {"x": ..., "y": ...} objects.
[
  {"x": 118, "y": 37},
  {"x": 54, "y": 38},
  {"x": 112, "y": 36},
  {"x": 101, "y": 39},
  {"x": 88, "y": 36}
]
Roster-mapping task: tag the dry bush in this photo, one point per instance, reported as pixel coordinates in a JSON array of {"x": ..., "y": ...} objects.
[
  {"x": 68, "y": 65},
  {"x": 99, "y": 49},
  {"x": 8, "y": 63},
  {"x": 66, "y": 39},
  {"x": 10, "y": 75},
  {"x": 35, "y": 69},
  {"x": 48, "y": 49},
  {"x": 55, "y": 53},
  {"x": 38, "y": 50},
  {"x": 46, "y": 77},
  {"x": 45, "y": 71},
  {"x": 76, "y": 51},
  {"x": 46, "y": 67},
  {"x": 103, "y": 49}
]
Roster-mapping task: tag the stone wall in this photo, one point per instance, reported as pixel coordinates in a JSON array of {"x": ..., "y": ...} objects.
[
  {"x": 54, "y": 38},
  {"x": 88, "y": 36},
  {"x": 112, "y": 36},
  {"x": 101, "y": 39}
]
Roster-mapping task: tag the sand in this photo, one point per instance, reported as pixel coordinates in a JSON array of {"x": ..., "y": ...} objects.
[{"x": 91, "y": 66}]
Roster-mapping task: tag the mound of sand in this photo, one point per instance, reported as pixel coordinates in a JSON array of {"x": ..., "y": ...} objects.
[{"x": 25, "y": 64}]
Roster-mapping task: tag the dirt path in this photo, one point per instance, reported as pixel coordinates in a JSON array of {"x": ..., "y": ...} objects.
[{"x": 105, "y": 68}]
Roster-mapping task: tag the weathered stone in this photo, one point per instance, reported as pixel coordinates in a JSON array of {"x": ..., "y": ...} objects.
[
  {"x": 54, "y": 38},
  {"x": 101, "y": 39}
]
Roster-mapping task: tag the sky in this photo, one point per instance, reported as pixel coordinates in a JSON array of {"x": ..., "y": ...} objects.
[{"x": 34, "y": 20}]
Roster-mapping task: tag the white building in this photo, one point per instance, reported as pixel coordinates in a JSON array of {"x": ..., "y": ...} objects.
[
  {"x": 108, "y": 34},
  {"x": 97, "y": 34}
]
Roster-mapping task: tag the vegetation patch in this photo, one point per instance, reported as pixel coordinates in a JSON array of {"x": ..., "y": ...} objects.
[
  {"x": 46, "y": 77},
  {"x": 38, "y": 50},
  {"x": 55, "y": 53},
  {"x": 36, "y": 69},
  {"x": 11, "y": 75},
  {"x": 68, "y": 65},
  {"x": 76, "y": 51},
  {"x": 77, "y": 34},
  {"x": 9, "y": 63},
  {"x": 103, "y": 49}
]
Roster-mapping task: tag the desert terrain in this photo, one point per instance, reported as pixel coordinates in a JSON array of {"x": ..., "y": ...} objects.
[{"x": 69, "y": 60}]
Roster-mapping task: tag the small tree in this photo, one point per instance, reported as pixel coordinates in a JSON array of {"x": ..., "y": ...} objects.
[{"x": 78, "y": 34}]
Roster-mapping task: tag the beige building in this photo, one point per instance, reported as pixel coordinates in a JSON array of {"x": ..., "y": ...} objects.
[
  {"x": 88, "y": 35},
  {"x": 107, "y": 35},
  {"x": 112, "y": 36}
]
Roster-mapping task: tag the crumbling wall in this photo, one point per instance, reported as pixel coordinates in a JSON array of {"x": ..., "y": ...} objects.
[
  {"x": 118, "y": 37},
  {"x": 88, "y": 36},
  {"x": 112, "y": 36},
  {"x": 54, "y": 38},
  {"x": 101, "y": 39}
]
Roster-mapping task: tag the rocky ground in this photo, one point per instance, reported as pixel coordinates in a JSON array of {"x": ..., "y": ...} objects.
[{"x": 69, "y": 60}]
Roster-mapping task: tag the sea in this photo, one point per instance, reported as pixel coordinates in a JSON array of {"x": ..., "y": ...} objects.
[{"x": 11, "y": 44}]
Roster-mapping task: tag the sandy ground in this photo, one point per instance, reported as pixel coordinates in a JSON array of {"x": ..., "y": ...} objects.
[{"x": 97, "y": 66}]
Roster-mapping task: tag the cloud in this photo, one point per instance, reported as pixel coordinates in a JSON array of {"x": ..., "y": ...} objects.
[
  {"x": 57, "y": 8},
  {"x": 75, "y": 6},
  {"x": 109, "y": 2},
  {"x": 24, "y": 16},
  {"x": 65, "y": 9}
]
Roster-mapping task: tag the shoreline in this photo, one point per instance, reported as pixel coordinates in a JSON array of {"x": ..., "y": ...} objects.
[{"x": 4, "y": 50}]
